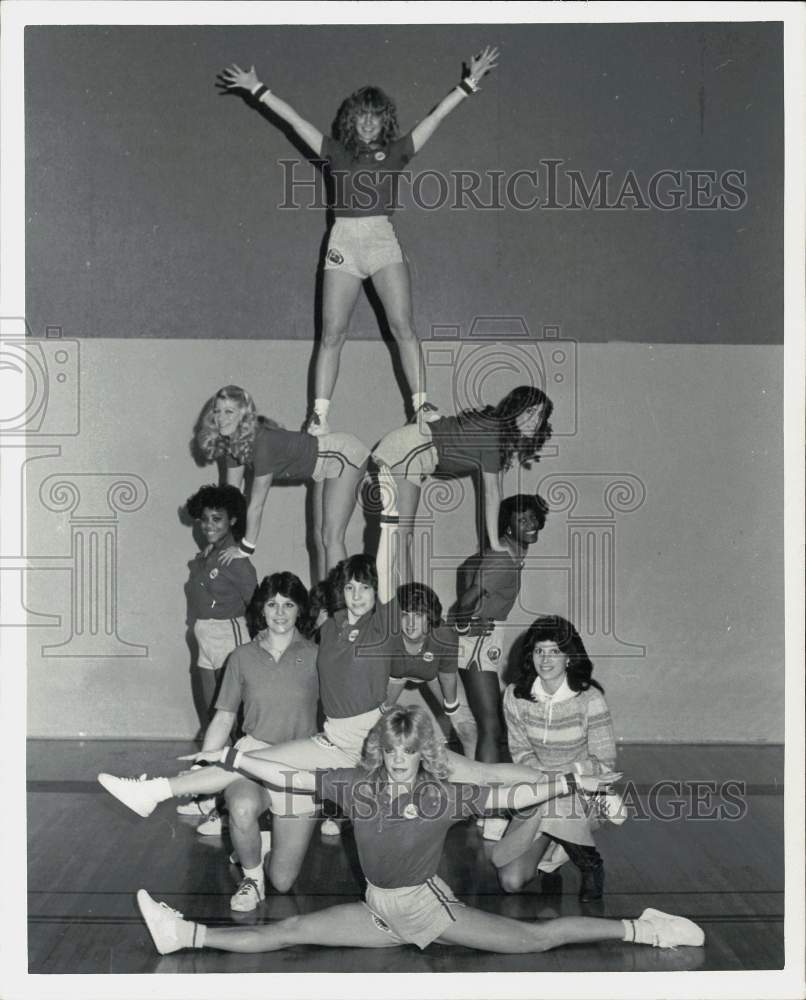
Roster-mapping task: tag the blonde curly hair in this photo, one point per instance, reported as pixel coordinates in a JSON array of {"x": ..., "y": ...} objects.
[
  {"x": 212, "y": 445},
  {"x": 413, "y": 727}
]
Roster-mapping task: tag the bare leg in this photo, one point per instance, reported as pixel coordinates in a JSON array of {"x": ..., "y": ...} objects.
[
  {"x": 490, "y": 932},
  {"x": 408, "y": 499},
  {"x": 205, "y": 781},
  {"x": 290, "y": 836},
  {"x": 393, "y": 286},
  {"x": 246, "y": 800},
  {"x": 339, "y": 499},
  {"x": 345, "y": 926},
  {"x": 317, "y": 511},
  {"x": 339, "y": 293},
  {"x": 522, "y": 870},
  {"x": 484, "y": 699}
]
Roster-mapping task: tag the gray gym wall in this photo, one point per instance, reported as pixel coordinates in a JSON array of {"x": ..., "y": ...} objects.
[{"x": 157, "y": 249}]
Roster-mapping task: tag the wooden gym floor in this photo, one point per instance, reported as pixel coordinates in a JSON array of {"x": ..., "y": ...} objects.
[{"x": 88, "y": 854}]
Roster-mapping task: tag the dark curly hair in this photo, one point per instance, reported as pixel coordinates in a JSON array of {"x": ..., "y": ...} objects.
[
  {"x": 360, "y": 568},
  {"x": 284, "y": 584},
  {"x": 366, "y": 99},
  {"x": 517, "y": 505},
  {"x": 419, "y": 599},
  {"x": 553, "y": 628},
  {"x": 226, "y": 498}
]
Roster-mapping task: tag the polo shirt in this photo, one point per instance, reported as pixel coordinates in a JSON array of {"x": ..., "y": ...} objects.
[
  {"x": 498, "y": 577},
  {"x": 279, "y": 696},
  {"x": 217, "y": 591},
  {"x": 439, "y": 655},
  {"x": 353, "y": 665},
  {"x": 366, "y": 184},
  {"x": 284, "y": 454},
  {"x": 400, "y": 840},
  {"x": 467, "y": 443}
]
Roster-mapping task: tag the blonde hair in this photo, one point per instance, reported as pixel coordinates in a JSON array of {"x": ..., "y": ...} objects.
[
  {"x": 410, "y": 725},
  {"x": 212, "y": 444}
]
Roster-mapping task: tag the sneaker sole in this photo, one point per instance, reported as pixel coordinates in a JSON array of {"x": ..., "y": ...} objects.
[
  {"x": 107, "y": 781},
  {"x": 146, "y": 905},
  {"x": 695, "y": 936}
]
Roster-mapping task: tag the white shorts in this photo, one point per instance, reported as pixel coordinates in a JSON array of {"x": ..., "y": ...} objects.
[
  {"x": 217, "y": 638},
  {"x": 414, "y": 914},
  {"x": 362, "y": 246},
  {"x": 337, "y": 452},
  {"x": 409, "y": 452},
  {"x": 281, "y": 802}
]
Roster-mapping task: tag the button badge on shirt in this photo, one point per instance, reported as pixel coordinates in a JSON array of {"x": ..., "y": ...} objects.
[
  {"x": 410, "y": 812},
  {"x": 352, "y": 635},
  {"x": 428, "y": 656},
  {"x": 380, "y": 155},
  {"x": 213, "y": 573}
]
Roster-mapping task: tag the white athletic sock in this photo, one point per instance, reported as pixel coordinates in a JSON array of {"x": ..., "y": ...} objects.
[
  {"x": 417, "y": 400},
  {"x": 256, "y": 874},
  {"x": 199, "y": 935},
  {"x": 629, "y": 931},
  {"x": 162, "y": 789},
  {"x": 321, "y": 406}
]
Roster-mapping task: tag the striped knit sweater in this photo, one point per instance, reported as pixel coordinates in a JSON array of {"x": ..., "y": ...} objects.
[{"x": 556, "y": 735}]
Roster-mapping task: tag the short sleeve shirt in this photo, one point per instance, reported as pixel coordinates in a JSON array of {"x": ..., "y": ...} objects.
[
  {"x": 498, "y": 577},
  {"x": 284, "y": 454},
  {"x": 353, "y": 665},
  {"x": 439, "y": 655},
  {"x": 279, "y": 697},
  {"x": 400, "y": 841},
  {"x": 366, "y": 185},
  {"x": 467, "y": 443},
  {"x": 217, "y": 591}
]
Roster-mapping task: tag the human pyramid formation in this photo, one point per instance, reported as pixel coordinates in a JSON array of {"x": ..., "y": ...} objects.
[{"x": 386, "y": 767}]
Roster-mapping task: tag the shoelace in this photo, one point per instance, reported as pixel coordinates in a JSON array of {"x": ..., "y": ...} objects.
[
  {"x": 170, "y": 909},
  {"x": 245, "y": 885}
]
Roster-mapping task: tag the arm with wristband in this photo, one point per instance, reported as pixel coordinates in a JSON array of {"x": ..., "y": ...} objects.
[
  {"x": 469, "y": 84},
  {"x": 235, "y": 78},
  {"x": 522, "y": 794}
]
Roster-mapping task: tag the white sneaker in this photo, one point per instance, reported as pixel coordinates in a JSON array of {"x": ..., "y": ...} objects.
[
  {"x": 212, "y": 825},
  {"x": 265, "y": 847},
  {"x": 248, "y": 895},
  {"x": 136, "y": 793},
  {"x": 196, "y": 807},
  {"x": 664, "y": 930},
  {"x": 330, "y": 828},
  {"x": 494, "y": 827},
  {"x": 168, "y": 930},
  {"x": 318, "y": 425}
]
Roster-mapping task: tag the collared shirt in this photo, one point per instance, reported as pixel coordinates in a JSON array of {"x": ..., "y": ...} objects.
[
  {"x": 400, "y": 840},
  {"x": 439, "y": 655},
  {"x": 285, "y": 454},
  {"x": 353, "y": 665},
  {"x": 497, "y": 576},
  {"x": 218, "y": 591},
  {"x": 366, "y": 185},
  {"x": 279, "y": 696},
  {"x": 467, "y": 443}
]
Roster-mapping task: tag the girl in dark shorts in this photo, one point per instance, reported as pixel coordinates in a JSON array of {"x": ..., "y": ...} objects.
[
  {"x": 365, "y": 159},
  {"x": 402, "y": 804},
  {"x": 231, "y": 431},
  {"x": 481, "y": 443}
]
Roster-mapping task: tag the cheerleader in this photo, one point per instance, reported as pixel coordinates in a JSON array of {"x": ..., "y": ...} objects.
[
  {"x": 365, "y": 158},
  {"x": 231, "y": 431},
  {"x": 402, "y": 802}
]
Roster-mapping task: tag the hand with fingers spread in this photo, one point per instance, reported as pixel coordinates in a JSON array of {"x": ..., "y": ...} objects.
[
  {"x": 235, "y": 78},
  {"x": 482, "y": 63}
]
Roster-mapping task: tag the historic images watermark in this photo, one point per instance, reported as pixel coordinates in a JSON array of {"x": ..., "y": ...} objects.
[
  {"x": 548, "y": 186},
  {"x": 32, "y": 422}
]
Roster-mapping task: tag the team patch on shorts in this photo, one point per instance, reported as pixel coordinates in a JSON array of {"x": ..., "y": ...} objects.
[
  {"x": 335, "y": 257},
  {"x": 322, "y": 741}
]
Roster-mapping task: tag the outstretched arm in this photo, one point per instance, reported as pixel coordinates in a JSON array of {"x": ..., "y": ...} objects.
[
  {"x": 254, "y": 518},
  {"x": 523, "y": 794},
  {"x": 479, "y": 65},
  {"x": 492, "y": 505},
  {"x": 235, "y": 78}
]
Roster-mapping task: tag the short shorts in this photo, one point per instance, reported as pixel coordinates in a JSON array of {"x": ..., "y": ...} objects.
[
  {"x": 340, "y": 745},
  {"x": 414, "y": 914},
  {"x": 217, "y": 638},
  {"x": 362, "y": 246},
  {"x": 409, "y": 452},
  {"x": 280, "y": 802},
  {"x": 337, "y": 452}
]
